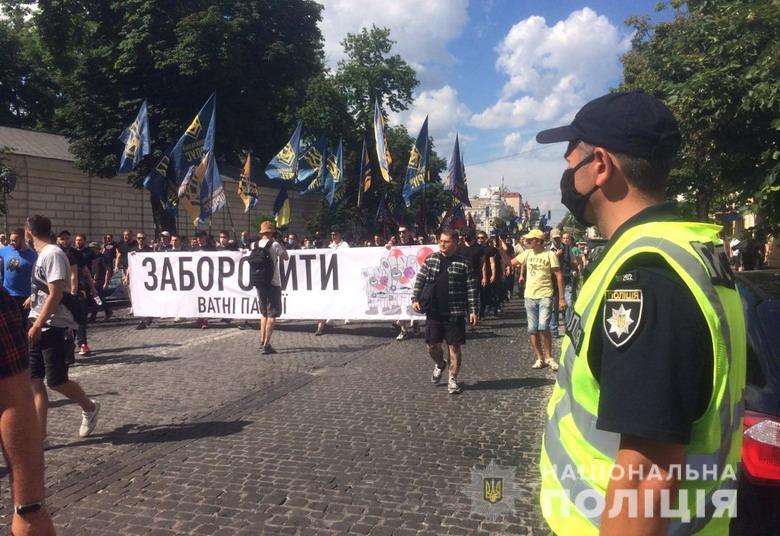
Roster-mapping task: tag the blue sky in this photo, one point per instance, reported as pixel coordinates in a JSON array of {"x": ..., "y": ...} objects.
[{"x": 498, "y": 71}]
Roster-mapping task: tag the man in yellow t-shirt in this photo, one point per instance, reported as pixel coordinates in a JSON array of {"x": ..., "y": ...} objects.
[{"x": 540, "y": 265}]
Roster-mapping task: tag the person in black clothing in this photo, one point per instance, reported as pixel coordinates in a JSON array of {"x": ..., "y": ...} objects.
[
  {"x": 475, "y": 254},
  {"x": 486, "y": 302},
  {"x": 454, "y": 297},
  {"x": 80, "y": 285},
  {"x": 88, "y": 273},
  {"x": 139, "y": 246}
]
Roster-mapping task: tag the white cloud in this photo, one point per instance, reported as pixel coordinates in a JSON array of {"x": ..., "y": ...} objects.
[
  {"x": 512, "y": 142},
  {"x": 421, "y": 30},
  {"x": 553, "y": 70},
  {"x": 445, "y": 113}
]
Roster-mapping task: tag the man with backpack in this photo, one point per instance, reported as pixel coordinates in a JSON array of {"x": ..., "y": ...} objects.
[{"x": 264, "y": 258}]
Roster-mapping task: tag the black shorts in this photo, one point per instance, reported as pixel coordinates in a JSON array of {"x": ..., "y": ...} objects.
[
  {"x": 452, "y": 330},
  {"x": 270, "y": 299},
  {"x": 47, "y": 358}
]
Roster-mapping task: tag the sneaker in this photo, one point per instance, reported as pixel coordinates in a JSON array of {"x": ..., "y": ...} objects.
[
  {"x": 538, "y": 364},
  {"x": 204, "y": 324},
  {"x": 402, "y": 336},
  {"x": 436, "y": 376},
  {"x": 453, "y": 387},
  {"x": 268, "y": 349},
  {"x": 89, "y": 420},
  {"x": 550, "y": 362},
  {"x": 141, "y": 325},
  {"x": 84, "y": 350}
]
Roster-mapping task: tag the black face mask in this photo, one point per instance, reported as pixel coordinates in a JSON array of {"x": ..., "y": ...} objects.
[{"x": 570, "y": 197}]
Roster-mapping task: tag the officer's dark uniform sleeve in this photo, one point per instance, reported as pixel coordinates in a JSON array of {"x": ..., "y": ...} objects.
[{"x": 655, "y": 366}]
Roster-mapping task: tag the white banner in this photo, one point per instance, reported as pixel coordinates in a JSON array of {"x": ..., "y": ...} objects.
[{"x": 355, "y": 283}]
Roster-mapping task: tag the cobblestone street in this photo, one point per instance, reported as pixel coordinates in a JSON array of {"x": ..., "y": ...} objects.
[{"x": 340, "y": 434}]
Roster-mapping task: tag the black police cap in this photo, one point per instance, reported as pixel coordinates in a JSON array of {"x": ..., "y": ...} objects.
[{"x": 631, "y": 122}]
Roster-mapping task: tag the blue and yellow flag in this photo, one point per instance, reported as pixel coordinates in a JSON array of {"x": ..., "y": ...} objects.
[
  {"x": 282, "y": 212},
  {"x": 417, "y": 170},
  {"x": 311, "y": 167},
  {"x": 201, "y": 193},
  {"x": 283, "y": 168},
  {"x": 456, "y": 176},
  {"x": 136, "y": 140},
  {"x": 187, "y": 151},
  {"x": 247, "y": 189},
  {"x": 364, "y": 181},
  {"x": 334, "y": 174},
  {"x": 382, "y": 151}
]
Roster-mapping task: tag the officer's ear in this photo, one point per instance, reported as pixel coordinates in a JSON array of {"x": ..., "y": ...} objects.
[{"x": 603, "y": 166}]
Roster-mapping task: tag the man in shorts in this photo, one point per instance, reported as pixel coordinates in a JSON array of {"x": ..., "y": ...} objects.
[
  {"x": 454, "y": 296},
  {"x": 50, "y": 318},
  {"x": 541, "y": 266},
  {"x": 270, "y": 297}
]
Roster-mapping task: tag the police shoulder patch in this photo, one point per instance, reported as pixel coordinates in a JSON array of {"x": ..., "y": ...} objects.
[{"x": 622, "y": 314}]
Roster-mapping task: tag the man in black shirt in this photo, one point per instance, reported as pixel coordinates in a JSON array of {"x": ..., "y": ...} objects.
[
  {"x": 138, "y": 246},
  {"x": 454, "y": 297},
  {"x": 486, "y": 294}
]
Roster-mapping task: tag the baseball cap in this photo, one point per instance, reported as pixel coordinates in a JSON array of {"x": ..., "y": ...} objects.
[
  {"x": 402, "y": 229},
  {"x": 555, "y": 233},
  {"x": 165, "y": 233},
  {"x": 630, "y": 122},
  {"x": 534, "y": 233}
]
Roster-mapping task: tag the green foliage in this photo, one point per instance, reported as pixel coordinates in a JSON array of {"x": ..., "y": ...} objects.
[
  {"x": 371, "y": 73},
  {"x": 28, "y": 93},
  {"x": 109, "y": 56},
  {"x": 717, "y": 66}
]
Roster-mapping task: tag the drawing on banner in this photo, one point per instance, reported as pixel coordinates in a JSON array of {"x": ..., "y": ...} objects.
[{"x": 389, "y": 286}]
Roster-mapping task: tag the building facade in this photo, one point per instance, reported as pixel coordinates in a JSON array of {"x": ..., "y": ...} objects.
[{"x": 48, "y": 183}]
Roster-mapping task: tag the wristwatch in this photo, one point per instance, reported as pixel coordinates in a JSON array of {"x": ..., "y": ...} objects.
[{"x": 22, "y": 509}]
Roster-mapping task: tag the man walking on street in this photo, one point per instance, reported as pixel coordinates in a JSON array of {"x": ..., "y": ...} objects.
[
  {"x": 267, "y": 281},
  {"x": 46, "y": 336},
  {"x": 541, "y": 266},
  {"x": 452, "y": 292},
  {"x": 653, "y": 363}
]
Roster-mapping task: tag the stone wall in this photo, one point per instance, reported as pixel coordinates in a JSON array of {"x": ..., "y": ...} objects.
[{"x": 95, "y": 206}]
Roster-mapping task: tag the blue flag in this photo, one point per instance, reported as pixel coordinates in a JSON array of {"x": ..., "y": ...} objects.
[
  {"x": 284, "y": 166},
  {"x": 201, "y": 192},
  {"x": 417, "y": 170},
  {"x": 136, "y": 140},
  {"x": 282, "y": 212},
  {"x": 456, "y": 176},
  {"x": 334, "y": 173},
  {"x": 311, "y": 166},
  {"x": 187, "y": 151}
]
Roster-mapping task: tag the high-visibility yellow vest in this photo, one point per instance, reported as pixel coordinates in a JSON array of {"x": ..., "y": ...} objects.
[{"x": 577, "y": 458}]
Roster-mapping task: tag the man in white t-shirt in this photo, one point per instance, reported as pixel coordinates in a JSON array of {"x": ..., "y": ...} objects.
[
  {"x": 336, "y": 242},
  {"x": 270, "y": 297},
  {"x": 50, "y": 319}
]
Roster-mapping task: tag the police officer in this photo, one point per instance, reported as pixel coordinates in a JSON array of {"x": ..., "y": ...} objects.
[{"x": 648, "y": 397}]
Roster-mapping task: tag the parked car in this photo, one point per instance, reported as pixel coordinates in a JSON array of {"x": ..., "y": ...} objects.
[{"x": 758, "y": 495}]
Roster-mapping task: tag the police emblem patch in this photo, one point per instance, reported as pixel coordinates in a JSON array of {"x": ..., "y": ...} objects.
[{"x": 622, "y": 314}]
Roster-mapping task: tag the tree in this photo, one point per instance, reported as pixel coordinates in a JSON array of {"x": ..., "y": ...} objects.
[
  {"x": 370, "y": 73},
  {"x": 28, "y": 93},
  {"x": 716, "y": 65},
  {"x": 109, "y": 56}
]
